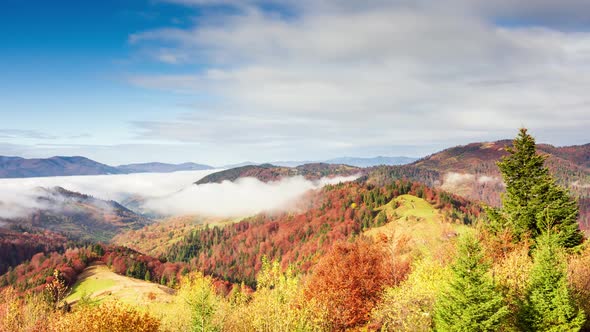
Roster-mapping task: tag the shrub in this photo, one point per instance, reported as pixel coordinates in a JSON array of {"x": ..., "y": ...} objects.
[
  {"x": 410, "y": 306},
  {"x": 111, "y": 317},
  {"x": 579, "y": 280}
]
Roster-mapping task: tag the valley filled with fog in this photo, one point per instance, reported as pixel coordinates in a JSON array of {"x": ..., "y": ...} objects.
[{"x": 166, "y": 194}]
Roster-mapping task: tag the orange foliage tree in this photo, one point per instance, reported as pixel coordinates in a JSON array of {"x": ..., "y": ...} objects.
[
  {"x": 56, "y": 290},
  {"x": 349, "y": 280}
]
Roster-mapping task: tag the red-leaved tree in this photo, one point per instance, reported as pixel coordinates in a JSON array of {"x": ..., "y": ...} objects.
[{"x": 349, "y": 280}]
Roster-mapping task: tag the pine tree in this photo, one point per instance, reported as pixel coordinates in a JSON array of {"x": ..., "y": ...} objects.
[
  {"x": 533, "y": 203},
  {"x": 522, "y": 170},
  {"x": 549, "y": 305},
  {"x": 471, "y": 303},
  {"x": 558, "y": 214}
]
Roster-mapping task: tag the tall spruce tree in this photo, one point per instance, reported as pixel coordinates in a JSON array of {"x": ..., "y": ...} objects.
[
  {"x": 533, "y": 203},
  {"x": 557, "y": 214},
  {"x": 471, "y": 302},
  {"x": 549, "y": 305}
]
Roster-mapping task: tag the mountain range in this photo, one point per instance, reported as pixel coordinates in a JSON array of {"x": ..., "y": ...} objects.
[
  {"x": 268, "y": 172},
  {"x": 415, "y": 209},
  {"x": 351, "y": 161},
  {"x": 156, "y": 167},
  {"x": 17, "y": 167},
  {"x": 471, "y": 171},
  {"x": 467, "y": 170}
]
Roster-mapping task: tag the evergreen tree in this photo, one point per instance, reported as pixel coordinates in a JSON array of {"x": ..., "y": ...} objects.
[
  {"x": 533, "y": 203},
  {"x": 471, "y": 302},
  {"x": 557, "y": 214},
  {"x": 549, "y": 305}
]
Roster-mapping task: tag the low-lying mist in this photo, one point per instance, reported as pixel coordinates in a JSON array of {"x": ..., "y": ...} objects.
[
  {"x": 18, "y": 197},
  {"x": 245, "y": 196},
  {"x": 163, "y": 193}
]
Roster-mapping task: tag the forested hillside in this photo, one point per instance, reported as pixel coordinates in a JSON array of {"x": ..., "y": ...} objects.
[
  {"x": 471, "y": 171},
  {"x": 79, "y": 216},
  {"x": 381, "y": 253},
  {"x": 268, "y": 172},
  {"x": 234, "y": 252}
]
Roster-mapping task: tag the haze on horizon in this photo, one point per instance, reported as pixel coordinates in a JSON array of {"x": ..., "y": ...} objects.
[{"x": 224, "y": 81}]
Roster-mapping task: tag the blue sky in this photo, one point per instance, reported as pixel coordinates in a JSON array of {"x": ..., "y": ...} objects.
[{"x": 222, "y": 81}]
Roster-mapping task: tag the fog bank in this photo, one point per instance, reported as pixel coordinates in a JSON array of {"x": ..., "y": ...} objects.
[{"x": 162, "y": 193}]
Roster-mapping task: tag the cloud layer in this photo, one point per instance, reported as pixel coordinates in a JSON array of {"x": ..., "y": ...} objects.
[
  {"x": 244, "y": 197},
  {"x": 164, "y": 194},
  {"x": 352, "y": 76},
  {"x": 19, "y": 196}
]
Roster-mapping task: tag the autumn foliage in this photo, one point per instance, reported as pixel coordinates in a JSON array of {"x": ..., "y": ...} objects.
[
  {"x": 335, "y": 213},
  {"x": 349, "y": 280},
  {"x": 106, "y": 317},
  {"x": 19, "y": 246},
  {"x": 309, "y": 269}
]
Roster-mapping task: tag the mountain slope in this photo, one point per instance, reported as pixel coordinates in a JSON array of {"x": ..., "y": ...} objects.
[
  {"x": 156, "y": 167},
  {"x": 471, "y": 171},
  {"x": 17, "y": 247},
  {"x": 417, "y": 221},
  {"x": 351, "y": 161},
  {"x": 16, "y": 167},
  {"x": 155, "y": 239},
  {"x": 268, "y": 172},
  {"x": 77, "y": 215},
  {"x": 369, "y": 162},
  {"x": 570, "y": 162},
  {"x": 100, "y": 283},
  {"x": 234, "y": 251}
]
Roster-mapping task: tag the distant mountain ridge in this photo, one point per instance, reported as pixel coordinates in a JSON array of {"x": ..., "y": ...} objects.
[
  {"x": 156, "y": 167},
  {"x": 351, "y": 161},
  {"x": 17, "y": 167},
  {"x": 568, "y": 164},
  {"x": 374, "y": 161},
  {"x": 268, "y": 172}
]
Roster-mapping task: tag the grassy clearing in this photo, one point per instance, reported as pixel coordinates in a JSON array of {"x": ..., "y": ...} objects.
[
  {"x": 91, "y": 286},
  {"x": 408, "y": 206},
  {"x": 99, "y": 283},
  {"x": 413, "y": 220}
]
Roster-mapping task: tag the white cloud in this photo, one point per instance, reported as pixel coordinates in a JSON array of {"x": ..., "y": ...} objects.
[
  {"x": 581, "y": 185},
  {"x": 484, "y": 179},
  {"x": 19, "y": 196},
  {"x": 163, "y": 193},
  {"x": 454, "y": 180},
  {"x": 111, "y": 187},
  {"x": 19, "y": 134},
  {"x": 379, "y": 74},
  {"x": 244, "y": 197}
]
